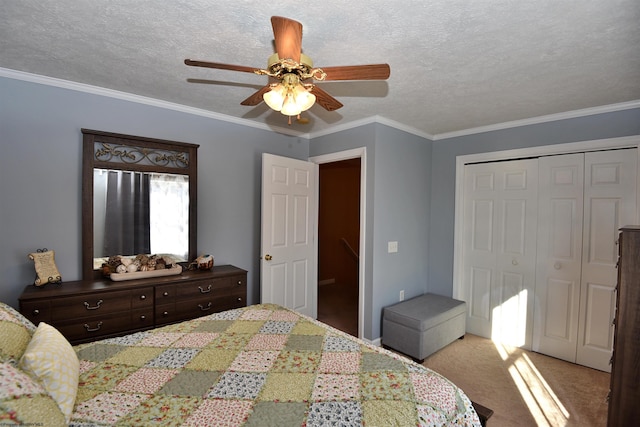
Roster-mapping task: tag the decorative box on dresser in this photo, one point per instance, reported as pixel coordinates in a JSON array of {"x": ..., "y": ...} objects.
[
  {"x": 624, "y": 397},
  {"x": 87, "y": 310}
]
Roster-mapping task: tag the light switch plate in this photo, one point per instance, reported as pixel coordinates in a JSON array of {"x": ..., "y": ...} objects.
[{"x": 392, "y": 247}]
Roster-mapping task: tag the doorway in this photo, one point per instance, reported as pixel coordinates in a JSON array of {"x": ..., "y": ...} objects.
[
  {"x": 338, "y": 244},
  {"x": 354, "y": 244}
]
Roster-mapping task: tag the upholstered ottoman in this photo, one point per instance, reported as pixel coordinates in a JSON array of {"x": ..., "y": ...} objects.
[{"x": 423, "y": 325}]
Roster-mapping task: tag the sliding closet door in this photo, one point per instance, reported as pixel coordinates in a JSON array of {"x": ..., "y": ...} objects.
[
  {"x": 499, "y": 249},
  {"x": 559, "y": 255},
  {"x": 610, "y": 203}
]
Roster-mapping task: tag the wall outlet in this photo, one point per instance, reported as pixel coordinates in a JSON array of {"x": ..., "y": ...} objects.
[
  {"x": 392, "y": 247},
  {"x": 402, "y": 295}
]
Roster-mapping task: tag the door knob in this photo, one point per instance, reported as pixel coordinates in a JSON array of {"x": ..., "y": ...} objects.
[
  {"x": 557, "y": 265},
  {"x": 268, "y": 257},
  {"x": 514, "y": 261}
]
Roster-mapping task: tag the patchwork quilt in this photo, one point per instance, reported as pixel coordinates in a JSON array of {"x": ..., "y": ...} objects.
[{"x": 261, "y": 365}]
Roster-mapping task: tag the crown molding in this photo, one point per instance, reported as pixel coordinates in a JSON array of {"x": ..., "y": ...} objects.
[
  {"x": 125, "y": 96},
  {"x": 369, "y": 120},
  {"x": 541, "y": 119}
]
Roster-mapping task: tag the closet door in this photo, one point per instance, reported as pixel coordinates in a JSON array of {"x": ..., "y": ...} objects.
[
  {"x": 559, "y": 255},
  {"x": 499, "y": 249},
  {"x": 610, "y": 203},
  {"x": 583, "y": 200}
]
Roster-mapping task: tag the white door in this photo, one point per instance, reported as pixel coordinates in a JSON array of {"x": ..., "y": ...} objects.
[
  {"x": 610, "y": 203},
  {"x": 288, "y": 267},
  {"x": 559, "y": 255},
  {"x": 584, "y": 200},
  {"x": 500, "y": 207}
]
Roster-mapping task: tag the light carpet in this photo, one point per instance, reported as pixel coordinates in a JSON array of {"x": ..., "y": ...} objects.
[{"x": 524, "y": 388}]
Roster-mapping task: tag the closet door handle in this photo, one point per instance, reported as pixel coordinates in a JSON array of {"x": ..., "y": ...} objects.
[
  {"x": 557, "y": 265},
  {"x": 514, "y": 261}
]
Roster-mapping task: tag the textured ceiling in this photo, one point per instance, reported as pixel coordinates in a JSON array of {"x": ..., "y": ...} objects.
[{"x": 455, "y": 64}]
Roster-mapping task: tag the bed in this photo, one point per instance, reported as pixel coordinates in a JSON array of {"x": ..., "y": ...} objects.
[{"x": 261, "y": 365}]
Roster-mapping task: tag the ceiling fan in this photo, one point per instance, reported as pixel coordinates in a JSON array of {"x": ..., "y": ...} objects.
[{"x": 291, "y": 74}]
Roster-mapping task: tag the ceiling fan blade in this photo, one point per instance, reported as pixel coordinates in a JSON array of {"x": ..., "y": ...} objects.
[
  {"x": 256, "y": 98},
  {"x": 288, "y": 37},
  {"x": 325, "y": 100},
  {"x": 219, "y": 66},
  {"x": 358, "y": 72}
]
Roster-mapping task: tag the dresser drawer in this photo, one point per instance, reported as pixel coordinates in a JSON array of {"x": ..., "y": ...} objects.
[
  {"x": 212, "y": 287},
  {"x": 142, "y": 298},
  {"x": 90, "y": 305},
  {"x": 166, "y": 313},
  {"x": 94, "y": 327},
  {"x": 165, "y": 293},
  {"x": 202, "y": 306},
  {"x": 238, "y": 285},
  {"x": 231, "y": 301},
  {"x": 36, "y": 311}
]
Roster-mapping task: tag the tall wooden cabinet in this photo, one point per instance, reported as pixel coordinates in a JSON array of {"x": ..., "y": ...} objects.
[{"x": 624, "y": 398}]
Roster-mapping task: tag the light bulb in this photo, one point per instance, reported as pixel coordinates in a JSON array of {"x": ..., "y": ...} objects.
[
  {"x": 290, "y": 107},
  {"x": 304, "y": 98},
  {"x": 275, "y": 97}
]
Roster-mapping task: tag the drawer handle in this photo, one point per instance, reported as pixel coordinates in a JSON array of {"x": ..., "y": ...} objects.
[
  {"x": 166, "y": 313},
  {"x": 143, "y": 317},
  {"x": 90, "y": 329},
  {"x": 208, "y": 307},
  {"x": 239, "y": 282},
  {"x": 143, "y": 297},
  {"x": 36, "y": 312},
  {"x": 239, "y": 299},
  {"x": 97, "y": 306},
  {"x": 202, "y": 291},
  {"x": 165, "y": 294}
]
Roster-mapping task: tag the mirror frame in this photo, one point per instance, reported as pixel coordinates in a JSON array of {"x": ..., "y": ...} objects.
[{"x": 106, "y": 150}]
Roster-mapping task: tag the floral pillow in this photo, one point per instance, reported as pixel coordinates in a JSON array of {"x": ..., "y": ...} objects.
[
  {"x": 15, "y": 333},
  {"x": 24, "y": 401}
]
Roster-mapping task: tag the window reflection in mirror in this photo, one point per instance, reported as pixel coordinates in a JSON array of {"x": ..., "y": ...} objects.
[{"x": 136, "y": 213}]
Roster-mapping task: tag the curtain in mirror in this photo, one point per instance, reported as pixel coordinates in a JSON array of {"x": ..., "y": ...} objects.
[{"x": 127, "y": 219}]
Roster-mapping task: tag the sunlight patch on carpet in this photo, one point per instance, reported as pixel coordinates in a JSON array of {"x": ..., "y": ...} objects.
[{"x": 541, "y": 400}]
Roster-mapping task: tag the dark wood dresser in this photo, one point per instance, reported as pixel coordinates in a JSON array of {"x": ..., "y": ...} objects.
[
  {"x": 624, "y": 397},
  {"x": 87, "y": 310}
]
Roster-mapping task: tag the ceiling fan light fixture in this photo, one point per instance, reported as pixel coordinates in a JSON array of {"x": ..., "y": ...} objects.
[{"x": 290, "y": 97}]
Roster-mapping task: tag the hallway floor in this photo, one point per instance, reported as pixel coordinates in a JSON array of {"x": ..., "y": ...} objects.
[{"x": 338, "y": 306}]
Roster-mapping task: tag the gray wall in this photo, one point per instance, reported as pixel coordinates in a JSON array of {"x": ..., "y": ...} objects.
[
  {"x": 398, "y": 170},
  {"x": 410, "y": 185},
  {"x": 601, "y": 126},
  {"x": 40, "y": 174}
]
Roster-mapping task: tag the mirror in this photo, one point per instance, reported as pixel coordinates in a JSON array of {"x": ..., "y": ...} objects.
[{"x": 139, "y": 196}]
